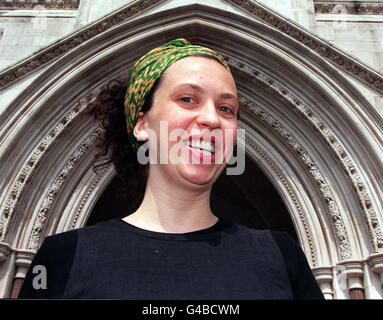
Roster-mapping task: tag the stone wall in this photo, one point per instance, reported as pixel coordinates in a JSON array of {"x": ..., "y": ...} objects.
[{"x": 26, "y": 26}]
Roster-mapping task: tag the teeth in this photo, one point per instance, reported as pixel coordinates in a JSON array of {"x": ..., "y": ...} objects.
[
  {"x": 203, "y": 145},
  {"x": 206, "y": 153}
]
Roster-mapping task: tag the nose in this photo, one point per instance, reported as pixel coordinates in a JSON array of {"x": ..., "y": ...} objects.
[{"x": 208, "y": 116}]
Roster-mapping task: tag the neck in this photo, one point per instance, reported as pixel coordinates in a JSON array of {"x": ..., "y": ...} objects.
[{"x": 170, "y": 208}]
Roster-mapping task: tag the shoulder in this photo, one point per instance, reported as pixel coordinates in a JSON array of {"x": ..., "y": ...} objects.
[
  {"x": 50, "y": 267},
  {"x": 290, "y": 249},
  {"x": 56, "y": 256},
  {"x": 69, "y": 239},
  {"x": 60, "y": 241},
  {"x": 276, "y": 240},
  {"x": 286, "y": 243},
  {"x": 277, "y": 246},
  {"x": 247, "y": 232},
  {"x": 302, "y": 280}
]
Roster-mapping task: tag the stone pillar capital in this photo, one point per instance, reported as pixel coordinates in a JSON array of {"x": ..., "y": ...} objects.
[
  {"x": 375, "y": 261},
  {"x": 324, "y": 277},
  {"x": 353, "y": 270}
]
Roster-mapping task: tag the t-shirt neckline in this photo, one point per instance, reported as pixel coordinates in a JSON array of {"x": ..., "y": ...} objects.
[{"x": 207, "y": 233}]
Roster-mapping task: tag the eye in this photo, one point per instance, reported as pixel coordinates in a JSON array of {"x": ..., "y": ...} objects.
[
  {"x": 226, "y": 109},
  {"x": 187, "y": 99}
]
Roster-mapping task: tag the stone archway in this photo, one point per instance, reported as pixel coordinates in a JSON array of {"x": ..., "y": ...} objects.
[{"x": 307, "y": 128}]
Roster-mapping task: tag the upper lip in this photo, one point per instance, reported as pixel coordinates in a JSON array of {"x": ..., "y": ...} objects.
[{"x": 205, "y": 138}]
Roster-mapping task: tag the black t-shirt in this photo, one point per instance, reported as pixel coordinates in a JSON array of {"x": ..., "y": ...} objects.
[{"x": 116, "y": 260}]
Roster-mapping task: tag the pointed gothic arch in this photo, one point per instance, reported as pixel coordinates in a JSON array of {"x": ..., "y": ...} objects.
[{"x": 310, "y": 131}]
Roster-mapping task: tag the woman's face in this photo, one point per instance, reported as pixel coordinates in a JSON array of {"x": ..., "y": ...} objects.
[{"x": 196, "y": 96}]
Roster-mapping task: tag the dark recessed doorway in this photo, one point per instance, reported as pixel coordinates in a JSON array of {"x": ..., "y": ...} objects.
[{"x": 249, "y": 199}]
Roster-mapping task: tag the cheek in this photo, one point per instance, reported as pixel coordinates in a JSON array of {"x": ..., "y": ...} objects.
[
  {"x": 179, "y": 120},
  {"x": 172, "y": 126},
  {"x": 230, "y": 133},
  {"x": 169, "y": 117}
]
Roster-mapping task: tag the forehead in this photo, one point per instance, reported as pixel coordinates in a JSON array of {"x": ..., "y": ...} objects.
[{"x": 196, "y": 67}]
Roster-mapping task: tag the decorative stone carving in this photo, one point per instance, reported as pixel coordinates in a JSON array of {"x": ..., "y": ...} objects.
[
  {"x": 283, "y": 180},
  {"x": 368, "y": 76},
  {"x": 348, "y": 7},
  {"x": 47, "y": 4},
  {"x": 376, "y": 263},
  {"x": 50, "y": 197},
  {"x": 29, "y": 166},
  {"x": 5, "y": 250},
  {"x": 12, "y": 74},
  {"x": 336, "y": 146},
  {"x": 338, "y": 224},
  {"x": 100, "y": 173}
]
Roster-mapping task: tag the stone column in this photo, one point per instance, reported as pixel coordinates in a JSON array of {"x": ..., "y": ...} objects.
[
  {"x": 23, "y": 261},
  {"x": 354, "y": 274},
  {"x": 324, "y": 277},
  {"x": 5, "y": 249},
  {"x": 7, "y": 258}
]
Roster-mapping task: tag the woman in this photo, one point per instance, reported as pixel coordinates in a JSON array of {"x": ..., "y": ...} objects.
[{"x": 172, "y": 246}]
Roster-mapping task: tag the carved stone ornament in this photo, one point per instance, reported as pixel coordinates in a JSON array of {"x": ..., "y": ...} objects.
[
  {"x": 5, "y": 250},
  {"x": 44, "y": 56},
  {"x": 376, "y": 263},
  {"x": 336, "y": 147},
  {"x": 348, "y": 7},
  {"x": 54, "y": 189},
  {"x": 353, "y": 67},
  {"x": 100, "y": 173},
  {"x": 356, "y": 69},
  {"x": 29, "y": 166},
  {"x": 47, "y": 4},
  {"x": 337, "y": 220},
  {"x": 286, "y": 185}
]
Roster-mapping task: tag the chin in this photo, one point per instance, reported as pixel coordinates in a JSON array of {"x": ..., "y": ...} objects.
[
  {"x": 201, "y": 176},
  {"x": 198, "y": 180}
]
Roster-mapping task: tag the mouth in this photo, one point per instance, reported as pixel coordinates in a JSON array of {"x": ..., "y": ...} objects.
[{"x": 204, "y": 149}]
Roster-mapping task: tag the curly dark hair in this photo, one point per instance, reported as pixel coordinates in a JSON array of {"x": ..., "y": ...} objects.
[{"x": 114, "y": 146}]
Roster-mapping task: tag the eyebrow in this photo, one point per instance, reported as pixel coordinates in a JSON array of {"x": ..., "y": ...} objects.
[{"x": 225, "y": 95}]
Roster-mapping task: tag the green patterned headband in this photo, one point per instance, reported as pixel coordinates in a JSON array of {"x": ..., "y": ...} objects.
[{"x": 148, "y": 69}]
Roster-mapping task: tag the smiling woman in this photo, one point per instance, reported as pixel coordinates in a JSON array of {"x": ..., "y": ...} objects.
[
  {"x": 190, "y": 99},
  {"x": 172, "y": 246}
]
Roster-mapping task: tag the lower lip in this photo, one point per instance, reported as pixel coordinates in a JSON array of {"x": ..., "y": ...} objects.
[{"x": 202, "y": 157}]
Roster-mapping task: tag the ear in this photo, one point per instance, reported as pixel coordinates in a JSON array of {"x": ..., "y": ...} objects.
[{"x": 139, "y": 131}]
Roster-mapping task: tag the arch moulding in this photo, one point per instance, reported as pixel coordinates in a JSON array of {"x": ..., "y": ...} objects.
[{"x": 312, "y": 133}]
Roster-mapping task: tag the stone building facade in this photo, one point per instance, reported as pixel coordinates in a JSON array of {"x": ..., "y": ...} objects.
[{"x": 310, "y": 84}]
